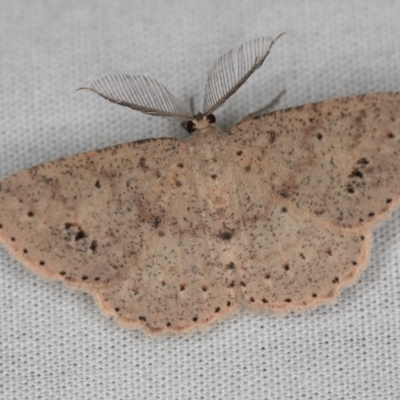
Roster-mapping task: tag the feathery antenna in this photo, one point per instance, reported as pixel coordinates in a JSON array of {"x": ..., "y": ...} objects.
[
  {"x": 140, "y": 93},
  {"x": 224, "y": 79}
]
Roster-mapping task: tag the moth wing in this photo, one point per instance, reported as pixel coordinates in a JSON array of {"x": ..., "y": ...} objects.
[
  {"x": 69, "y": 219},
  {"x": 287, "y": 259},
  {"x": 132, "y": 225},
  {"x": 303, "y": 233},
  {"x": 183, "y": 275},
  {"x": 337, "y": 160}
]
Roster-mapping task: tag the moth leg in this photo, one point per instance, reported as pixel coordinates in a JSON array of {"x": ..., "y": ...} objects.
[{"x": 266, "y": 108}]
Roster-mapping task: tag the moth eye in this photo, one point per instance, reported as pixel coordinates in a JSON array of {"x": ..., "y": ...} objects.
[
  {"x": 211, "y": 118},
  {"x": 190, "y": 127}
]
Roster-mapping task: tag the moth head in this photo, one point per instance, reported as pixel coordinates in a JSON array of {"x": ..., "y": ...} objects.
[{"x": 199, "y": 122}]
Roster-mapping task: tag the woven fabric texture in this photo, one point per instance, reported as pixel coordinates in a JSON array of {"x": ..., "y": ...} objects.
[{"x": 54, "y": 343}]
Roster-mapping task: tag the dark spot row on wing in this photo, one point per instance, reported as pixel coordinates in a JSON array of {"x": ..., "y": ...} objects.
[{"x": 80, "y": 235}]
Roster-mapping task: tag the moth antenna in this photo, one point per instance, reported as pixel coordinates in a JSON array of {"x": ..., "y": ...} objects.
[
  {"x": 142, "y": 94},
  {"x": 224, "y": 79}
]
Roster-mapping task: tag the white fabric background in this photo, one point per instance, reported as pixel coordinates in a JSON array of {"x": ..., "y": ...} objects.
[{"x": 54, "y": 343}]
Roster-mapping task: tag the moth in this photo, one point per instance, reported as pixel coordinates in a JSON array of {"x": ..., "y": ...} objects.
[{"x": 169, "y": 235}]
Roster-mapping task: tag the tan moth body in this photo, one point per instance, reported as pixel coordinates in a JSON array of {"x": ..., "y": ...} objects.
[{"x": 168, "y": 234}]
